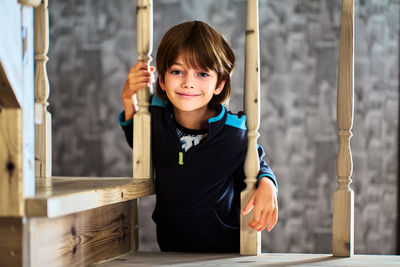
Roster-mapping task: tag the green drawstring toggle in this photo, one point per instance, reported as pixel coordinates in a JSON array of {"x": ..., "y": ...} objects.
[{"x": 180, "y": 158}]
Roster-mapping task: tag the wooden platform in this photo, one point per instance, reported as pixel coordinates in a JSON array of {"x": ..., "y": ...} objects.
[
  {"x": 59, "y": 196},
  {"x": 192, "y": 260}
]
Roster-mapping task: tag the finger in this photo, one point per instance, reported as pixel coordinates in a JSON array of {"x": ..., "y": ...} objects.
[
  {"x": 273, "y": 221},
  {"x": 256, "y": 218},
  {"x": 140, "y": 65},
  {"x": 139, "y": 73},
  {"x": 249, "y": 206},
  {"x": 137, "y": 86},
  {"x": 133, "y": 83},
  {"x": 263, "y": 221}
]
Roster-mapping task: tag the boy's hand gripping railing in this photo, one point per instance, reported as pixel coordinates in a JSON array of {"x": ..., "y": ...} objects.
[
  {"x": 142, "y": 167},
  {"x": 250, "y": 239},
  {"x": 343, "y": 198},
  {"x": 42, "y": 116}
]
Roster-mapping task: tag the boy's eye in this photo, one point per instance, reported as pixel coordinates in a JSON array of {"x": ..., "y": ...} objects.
[
  {"x": 176, "y": 72},
  {"x": 203, "y": 74}
]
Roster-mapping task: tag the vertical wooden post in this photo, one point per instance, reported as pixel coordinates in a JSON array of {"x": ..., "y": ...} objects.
[
  {"x": 343, "y": 198},
  {"x": 250, "y": 239},
  {"x": 42, "y": 116},
  {"x": 11, "y": 173},
  {"x": 142, "y": 167}
]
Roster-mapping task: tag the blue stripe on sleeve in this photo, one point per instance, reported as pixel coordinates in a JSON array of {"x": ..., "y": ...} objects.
[
  {"x": 156, "y": 101},
  {"x": 121, "y": 119},
  {"x": 235, "y": 121},
  {"x": 271, "y": 177},
  {"x": 218, "y": 117}
]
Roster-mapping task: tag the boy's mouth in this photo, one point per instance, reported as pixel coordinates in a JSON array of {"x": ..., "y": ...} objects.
[{"x": 187, "y": 95}]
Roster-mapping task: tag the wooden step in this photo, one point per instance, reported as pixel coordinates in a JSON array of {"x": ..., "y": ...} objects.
[
  {"x": 59, "y": 196},
  {"x": 282, "y": 259}
]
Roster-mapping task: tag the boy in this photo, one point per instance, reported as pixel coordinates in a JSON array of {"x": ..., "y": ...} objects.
[{"x": 198, "y": 146}]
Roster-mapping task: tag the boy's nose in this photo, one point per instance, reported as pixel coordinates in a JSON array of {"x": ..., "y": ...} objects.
[{"x": 188, "y": 84}]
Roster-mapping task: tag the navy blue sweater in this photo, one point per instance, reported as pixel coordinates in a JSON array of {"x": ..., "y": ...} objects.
[{"x": 198, "y": 191}]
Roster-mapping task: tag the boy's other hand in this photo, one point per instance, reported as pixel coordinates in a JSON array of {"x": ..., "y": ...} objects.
[
  {"x": 265, "y": 204},
  {"x": 140, "y": 76}
]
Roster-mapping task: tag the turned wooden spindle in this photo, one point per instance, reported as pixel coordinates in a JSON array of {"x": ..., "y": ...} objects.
[
  {"x": 343, "y": 197},
  {"x": 250, "y": 239},
  {"x": 42, "y": 90},
  {"x": 142, "y": 167}
]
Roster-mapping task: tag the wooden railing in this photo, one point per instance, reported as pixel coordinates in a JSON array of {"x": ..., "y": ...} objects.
[
  {"x": 61, "y": 197},
  {"x": 42, "y": 90},
  {"x": 142, "y": 166},
  {"x": 343, "y": 198},
  {"x": 250, "y": 239}
]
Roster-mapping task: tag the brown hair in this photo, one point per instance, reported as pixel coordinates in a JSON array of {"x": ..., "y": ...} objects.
[{"x": 203, "y": 47}]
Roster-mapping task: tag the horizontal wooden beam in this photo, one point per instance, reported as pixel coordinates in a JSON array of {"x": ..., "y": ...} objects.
[
  {"x": 33, "y": 3},
  {"x": 233, "y": 260},
  {"x": 84, "y": 238},
  {"x": 11, "y": 241},
  {"x": 58, "y": 196}
]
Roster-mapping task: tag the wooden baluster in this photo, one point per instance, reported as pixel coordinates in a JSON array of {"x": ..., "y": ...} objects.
[
  {"x": 142, "y": 167},
  {"x": 250, "y": 239},
  {"x": 42, "y": 116},
  {"x": 343, "y": 198}
]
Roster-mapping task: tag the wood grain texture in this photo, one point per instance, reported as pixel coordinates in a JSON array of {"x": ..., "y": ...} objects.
[
  {"x": 33, "y": 3},
  {"x": 250, "y": 239},
  {"x": 142, "y": 166},
  {"x": 7, "y": 96},
  {"x": 11, "y": 242},
  {"x": 83, "y": 238},
  {"x": 11, "y": 171},
  {"x": 343, "y": 199},
  {"x": 42, "y": 90},
  {"x": 58, "y": 196},
  {"x": 270, "y": 259}
]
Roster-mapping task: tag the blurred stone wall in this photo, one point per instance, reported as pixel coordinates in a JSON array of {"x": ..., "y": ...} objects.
[{"x": 93, "y": 45}]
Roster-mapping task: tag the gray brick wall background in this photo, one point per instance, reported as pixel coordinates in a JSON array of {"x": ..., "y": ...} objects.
[{"x": 93, "y": 45}]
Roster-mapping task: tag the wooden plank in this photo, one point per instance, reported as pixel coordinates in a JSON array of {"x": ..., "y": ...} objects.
[
  {"x": 11, "y": 241},
  {"x": 250, "y": 239},
  {"x": 33, "y": 3},
  {"x": 7, "y": 96},
  {"x": 142, "y": 163},
  {"x": 83, "y": 238},
  {"x": 58, "y": 196},
  {"x": 343, "y": 197},
  {"x": 11, "y": 174},
  {"x": 42, "y": 91},
  {"x": 281, "y": 259}
]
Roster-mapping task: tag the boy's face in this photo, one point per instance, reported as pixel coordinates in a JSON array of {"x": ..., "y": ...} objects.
[{"x": 189, "y": 89}]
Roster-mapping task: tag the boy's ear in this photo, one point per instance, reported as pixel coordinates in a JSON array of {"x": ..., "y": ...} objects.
[
  {"x": 219, "y": 88},
  {"x": 161, "y": 82}
]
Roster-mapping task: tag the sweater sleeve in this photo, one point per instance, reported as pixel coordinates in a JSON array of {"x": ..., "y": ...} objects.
[
  {"x": 265, "y": 170},
  {"x": 127, "y": 127}
]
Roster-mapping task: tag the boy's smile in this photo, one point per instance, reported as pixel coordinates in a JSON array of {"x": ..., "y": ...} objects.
[{"x": 188, "y": 89}]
